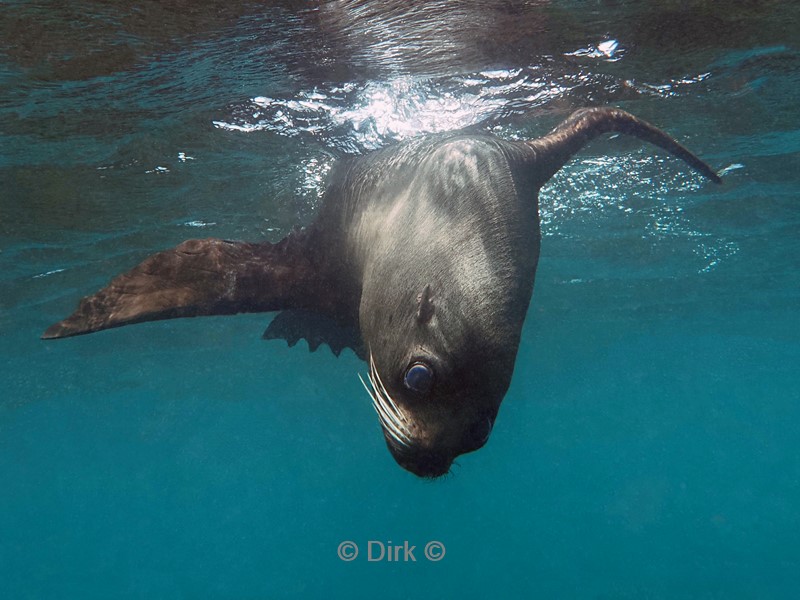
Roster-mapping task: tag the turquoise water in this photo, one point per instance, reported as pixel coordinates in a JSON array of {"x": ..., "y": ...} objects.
[{"x": 648, "y": 446}]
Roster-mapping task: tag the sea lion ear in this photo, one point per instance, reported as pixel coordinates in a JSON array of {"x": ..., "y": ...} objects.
[
  {"x": 426, "y": 307},
  {"x": 200, "y": 277}
]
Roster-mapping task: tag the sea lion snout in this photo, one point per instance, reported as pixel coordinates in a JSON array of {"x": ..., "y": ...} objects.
[
  {"x": 424, "y": 464},
  {"x": 433, "y": 457}
]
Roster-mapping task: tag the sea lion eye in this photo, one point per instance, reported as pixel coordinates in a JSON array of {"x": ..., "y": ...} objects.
[{"x": 419, "y": 377}]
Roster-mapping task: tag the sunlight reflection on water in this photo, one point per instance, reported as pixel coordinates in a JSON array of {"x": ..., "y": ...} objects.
[{"x": 356, "y": 118}]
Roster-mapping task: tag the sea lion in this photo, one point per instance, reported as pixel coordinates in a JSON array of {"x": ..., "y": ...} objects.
[{"x": 422, "y": 259}]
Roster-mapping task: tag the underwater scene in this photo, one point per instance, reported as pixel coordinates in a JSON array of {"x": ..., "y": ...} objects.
[{"x": 648, "y": 441}]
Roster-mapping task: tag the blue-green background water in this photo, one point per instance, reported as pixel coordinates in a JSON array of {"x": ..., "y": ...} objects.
[{"x": 649, "y": 444}]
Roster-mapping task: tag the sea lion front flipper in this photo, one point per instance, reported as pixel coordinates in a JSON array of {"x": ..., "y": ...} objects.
[
  {"x": 555, "y": 149},
  {"x": 317, "y": 329},
  {"x": 200, "y": 277}
]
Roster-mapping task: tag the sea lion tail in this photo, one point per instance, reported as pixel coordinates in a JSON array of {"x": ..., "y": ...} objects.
[
  {"x": 556, "y": 148},
  {"x": 200, "y": 277}
]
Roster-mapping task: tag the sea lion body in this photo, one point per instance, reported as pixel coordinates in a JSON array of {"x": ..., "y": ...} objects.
[
  {"x": 457, "y": 215},
  {"x": 422, "y": 258}
]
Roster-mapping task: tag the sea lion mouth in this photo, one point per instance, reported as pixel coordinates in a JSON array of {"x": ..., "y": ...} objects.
[{"x": 423, "y": 464}]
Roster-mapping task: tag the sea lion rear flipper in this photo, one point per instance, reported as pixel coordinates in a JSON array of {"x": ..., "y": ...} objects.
[
  {"x": 196, "y": 278},
  {"x": 555, "y": 149}
]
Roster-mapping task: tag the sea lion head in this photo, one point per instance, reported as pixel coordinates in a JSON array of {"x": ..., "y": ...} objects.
[
  {"x": 443, "y": 302},
  {"x": 437, "y": 376}
]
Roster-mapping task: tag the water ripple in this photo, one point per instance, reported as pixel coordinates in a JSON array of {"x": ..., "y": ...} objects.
[{"x": 356, "y": 117}]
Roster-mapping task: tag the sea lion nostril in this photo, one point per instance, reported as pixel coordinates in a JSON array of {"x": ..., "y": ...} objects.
[
  {"x": 419, "y": 377},
  {"x": 481, "y": 430}
]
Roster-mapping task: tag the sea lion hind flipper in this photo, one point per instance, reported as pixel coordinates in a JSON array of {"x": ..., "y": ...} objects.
[
  {"x": 198, "y": 278},
  {"x": 552, "y": 151},
  {"x": 316, "y": 329}
]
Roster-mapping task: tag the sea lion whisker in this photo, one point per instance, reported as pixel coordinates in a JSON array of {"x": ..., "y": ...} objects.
[
  {"x": 385, "y": 421},
  {"x": 391, "y": 427},
  {"x": 378, "y": 397},
  {"x": 393, "y": 424},
  {"x": 386, "y": 395},
  {"x": 377, "y": 404},
  {"x": 382, "y": 388},
  {"x": 389, "y": 421},
  {"x": 366, "y": 387},
  {"x": 391, "y": 411},
  {"x": 379, "y": 388},
  {"x": 382, "y": 397},
  {"x": 385, "y": 415}
]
